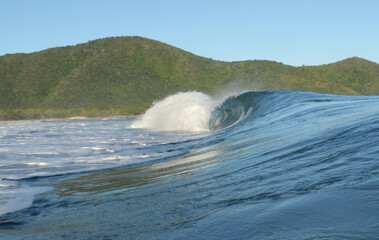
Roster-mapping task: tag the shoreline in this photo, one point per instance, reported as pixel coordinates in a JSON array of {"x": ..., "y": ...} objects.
[{"x": 76, "y": 118}]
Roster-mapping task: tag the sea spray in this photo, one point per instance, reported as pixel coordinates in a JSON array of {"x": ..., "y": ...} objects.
[{"x": 188, "y": 111}]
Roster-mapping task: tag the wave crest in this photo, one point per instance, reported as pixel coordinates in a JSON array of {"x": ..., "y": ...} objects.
[{"x": 195, "y": 111}]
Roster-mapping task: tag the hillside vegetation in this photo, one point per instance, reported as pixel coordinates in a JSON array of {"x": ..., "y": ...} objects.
[{"x": 124, "y": 75}]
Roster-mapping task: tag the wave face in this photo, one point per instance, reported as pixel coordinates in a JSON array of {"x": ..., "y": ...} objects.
[{"x": 255, "y": 165}]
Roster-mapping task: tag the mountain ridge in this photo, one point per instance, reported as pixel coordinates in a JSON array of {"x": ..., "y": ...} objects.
[{"x": 124, "y": 75}]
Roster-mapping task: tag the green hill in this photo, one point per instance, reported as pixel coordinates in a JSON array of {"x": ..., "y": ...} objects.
[{"x": 124, "y": 75}]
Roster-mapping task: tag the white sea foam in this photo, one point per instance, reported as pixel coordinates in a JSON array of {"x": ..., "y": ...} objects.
[
  {"x": 36, "y": 164},
  {"x": 14, "y": 198},
  {"x": 189, "y": 111},
  {"x": 38, "y": 149}
]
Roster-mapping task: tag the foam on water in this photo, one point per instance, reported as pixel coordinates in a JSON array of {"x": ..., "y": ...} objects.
[
  {"x": 15, "y": 196},
  {"x": 189, "y": 111},
  {"x": 41, "y": 149}
]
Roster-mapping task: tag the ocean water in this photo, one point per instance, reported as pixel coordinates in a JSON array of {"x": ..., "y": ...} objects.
[{"x": 255, "y": 165}]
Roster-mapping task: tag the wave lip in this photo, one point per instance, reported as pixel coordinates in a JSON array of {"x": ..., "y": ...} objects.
[{"x": 233, "y": 110}]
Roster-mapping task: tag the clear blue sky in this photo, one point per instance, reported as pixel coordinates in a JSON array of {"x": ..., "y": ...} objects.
[{"x": 295, "y": 32}]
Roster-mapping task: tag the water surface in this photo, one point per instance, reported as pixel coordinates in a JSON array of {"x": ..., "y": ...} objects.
[{"x": 265, "y": 165}]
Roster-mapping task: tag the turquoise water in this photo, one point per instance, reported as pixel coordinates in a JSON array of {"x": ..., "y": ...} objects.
[{"x": 274, "y": 165}]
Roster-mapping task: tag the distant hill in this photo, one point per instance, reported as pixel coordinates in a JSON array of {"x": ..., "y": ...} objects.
[{"x": 124, "y": 75}]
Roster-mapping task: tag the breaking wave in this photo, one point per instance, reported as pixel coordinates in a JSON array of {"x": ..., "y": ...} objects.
[
  {"x": 195, "y": 111},
  {"x": 189, "y": 111}
]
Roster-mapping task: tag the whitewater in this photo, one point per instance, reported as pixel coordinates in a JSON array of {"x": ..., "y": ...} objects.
[{"x": 249, "y": 165}]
